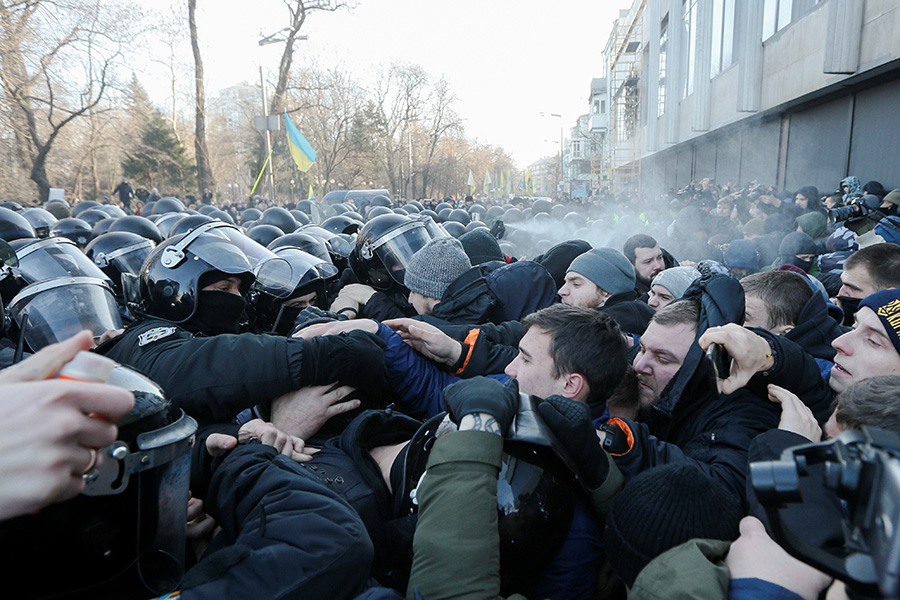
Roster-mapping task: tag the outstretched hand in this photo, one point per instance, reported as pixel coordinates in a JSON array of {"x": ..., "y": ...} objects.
[
  {"x": 428, "y": 340},
  {"x": 218, "y": 444},
  {"x": 302, "y": 413}
]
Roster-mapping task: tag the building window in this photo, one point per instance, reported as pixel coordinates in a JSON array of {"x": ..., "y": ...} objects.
[
  {"x": 603, "y": 107},
  {"x": 778, "y": 14},
  {"x": 689, "y": 24},
  {"x": 723, "y": 36},
  {"x": 663, "y": 53},
  {"x": 576, "y": 149},
  {"x": 596, "y": 106}
]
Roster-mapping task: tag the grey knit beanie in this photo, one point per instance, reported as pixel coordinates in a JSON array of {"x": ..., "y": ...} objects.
[
  {"x": 607, "y": 268},
  {"x": 436, "y": 266},
  {"x": 676, "y": 279}
]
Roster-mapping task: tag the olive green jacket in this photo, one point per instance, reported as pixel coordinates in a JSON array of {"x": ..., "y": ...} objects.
[{"x": 456, "y": 546}]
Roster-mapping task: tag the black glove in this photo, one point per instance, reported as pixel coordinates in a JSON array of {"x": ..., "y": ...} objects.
[
  {"x": 313, "y": 315},
  {"x": 570, "y": 422},
  {"x": 355, "y": 358},
  {"x": 483, "y": 395}
]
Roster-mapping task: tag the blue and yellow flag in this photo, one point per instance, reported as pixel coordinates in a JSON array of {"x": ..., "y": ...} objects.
[{"x": 303, "y": 154}]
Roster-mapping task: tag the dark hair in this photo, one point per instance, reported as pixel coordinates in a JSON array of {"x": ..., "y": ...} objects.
[
  {"x": 872, "y": 402},
  {"x": 881, "y": 262},
  {"x": 680, "y": 312},
  {"x": 784, "y": 293},
  {"x": 584, "y": 341},
  {"x": 640, "y": 240}
]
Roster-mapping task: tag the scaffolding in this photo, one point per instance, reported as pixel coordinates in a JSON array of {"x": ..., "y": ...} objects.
[{"x": 623, "y": 165}]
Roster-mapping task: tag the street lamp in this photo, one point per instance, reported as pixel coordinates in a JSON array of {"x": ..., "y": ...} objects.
[
  {"x": 292, "y": 191},
  {"x": 558, "y": 116}
]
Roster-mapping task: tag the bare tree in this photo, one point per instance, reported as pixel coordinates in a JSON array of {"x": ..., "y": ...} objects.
[
  {"x": 299, "y": 10},
  {"x": 398, "y": 101},
  {"x": 440, "y": 120},
  {"x": 330, "y": 106},
  {"x": 57, "y": 61},
  {"x": 205, "y": 179},
  {"x": 166, "y": 47}
]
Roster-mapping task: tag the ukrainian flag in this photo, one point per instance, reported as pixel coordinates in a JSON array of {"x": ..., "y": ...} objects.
[{"x": 302, "y": 153}]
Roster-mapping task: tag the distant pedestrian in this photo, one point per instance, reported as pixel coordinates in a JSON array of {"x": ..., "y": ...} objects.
[{"x": 125, "y": 192}]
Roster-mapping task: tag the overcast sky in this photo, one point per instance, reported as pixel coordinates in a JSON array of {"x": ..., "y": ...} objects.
[{"x": 506, "y": 60}]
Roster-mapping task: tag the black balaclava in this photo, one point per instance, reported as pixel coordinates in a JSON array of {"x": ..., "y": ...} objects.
[
  {"x": 796, "y": 243},
  {"x": 849, "y": 306},
  {"x": 217, "y": 312}
]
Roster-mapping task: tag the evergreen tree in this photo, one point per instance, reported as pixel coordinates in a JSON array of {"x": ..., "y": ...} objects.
[{"x": 157, "y": 158}]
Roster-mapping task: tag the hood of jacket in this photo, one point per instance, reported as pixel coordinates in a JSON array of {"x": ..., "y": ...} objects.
[
  {"x": 721, "y": 301},
  {"x": 521, "y": 289},
  {"x": 694, "y": 570},
  {"x": 816, "y": 329}
]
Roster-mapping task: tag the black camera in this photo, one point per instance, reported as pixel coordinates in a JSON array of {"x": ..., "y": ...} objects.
[
  {"x": 863, "y": 469},
  {"x": 858, "y": 208}
]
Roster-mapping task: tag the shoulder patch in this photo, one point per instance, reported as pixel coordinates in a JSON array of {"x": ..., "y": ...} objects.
[{"x": 155, "y": 334}]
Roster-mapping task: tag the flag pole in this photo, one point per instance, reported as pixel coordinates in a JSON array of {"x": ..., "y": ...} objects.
[{"x": 261, "y": 171}]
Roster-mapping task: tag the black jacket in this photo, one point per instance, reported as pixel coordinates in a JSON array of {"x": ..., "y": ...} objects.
[
  {"x": 816, "y": 329},
  {"x": 392, "y": 304},
  {"x": 214, "y": 378},
  {"x": 692, "y": 422},
  {"x": 284, "y": 534},
  {"x": 632, "y": 315},
  {"x": 493, "y": 295}
]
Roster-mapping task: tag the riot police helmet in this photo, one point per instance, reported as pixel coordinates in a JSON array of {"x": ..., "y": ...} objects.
[
  {"x": 92, "y": 216},
  {"x": 384, "y": 248},
  {"x": 303, "y": 241},
  {"x": 125, "y": 534},
  {"x": 83, "y": 206},
  {"x": 168, "y": 205},
  {"x": 264, "y": 234},
  {"x": 73, "y": 229},
  {"x": 14, "y": 226},
  {"x": 58, "y": 208},
  {"x": 139, "y": 225},
  {"x": 279, "y": 217},
  {"x": 341, "y": 224},
  {"x": 41, "y": 220},
  {"x": 188, "y": 223},
  {"x": 249, "y": 214}
]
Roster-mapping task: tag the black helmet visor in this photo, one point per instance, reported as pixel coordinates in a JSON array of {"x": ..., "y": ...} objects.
[
  {"x": 55, "y": 257},
  {"x": 88, "y": 304}
]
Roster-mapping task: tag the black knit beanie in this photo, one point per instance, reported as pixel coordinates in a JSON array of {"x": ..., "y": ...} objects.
[
  {"x": 662, "y": 508},
  {"x": 481, "y": 246}
]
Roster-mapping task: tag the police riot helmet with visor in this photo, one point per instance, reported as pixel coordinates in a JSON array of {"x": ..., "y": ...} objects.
[{"x": 89, "y": 304}]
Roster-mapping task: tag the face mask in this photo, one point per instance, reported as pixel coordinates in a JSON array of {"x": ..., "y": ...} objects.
[
  {"x": 218, "y": 312},
  {"x": 803, "y": 264},
  {"x": 284, "y": 322},
  {"x": 849, "y": 306}
]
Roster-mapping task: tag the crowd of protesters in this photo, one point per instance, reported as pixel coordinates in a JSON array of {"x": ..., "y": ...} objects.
[{"x": 369, "y": 398}]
